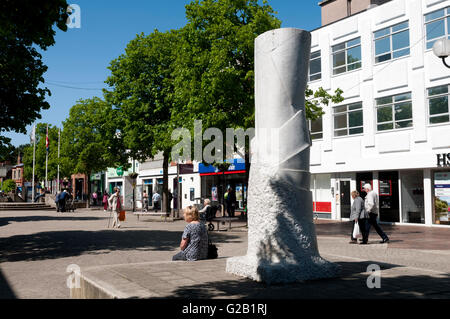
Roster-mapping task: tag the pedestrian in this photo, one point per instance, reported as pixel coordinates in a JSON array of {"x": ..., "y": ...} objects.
[
  {"x": 115, "y": 206},
  {"x": 170, "y": 199},
  {"x": 105, "y": 201},
  {"x": 94, "y": 198},
  {"x": 371, "y": 206},
  {"x": 145, "y": 200},
  {"x": 360, "y": 216},
  {"x": 62, "y": 201},
  {"x": 194, "y": 242},
  {"x": 155, "y": 199},
  {"x": 58, "y": 195},
  {"x": 231, "y": 202}
]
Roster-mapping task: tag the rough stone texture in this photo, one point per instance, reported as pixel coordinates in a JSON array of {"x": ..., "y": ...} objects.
[{"x": 282, "y": 244}]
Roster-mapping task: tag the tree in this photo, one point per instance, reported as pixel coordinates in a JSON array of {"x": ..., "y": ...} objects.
[
  {"x": 8, "y": 185},
  {"x": 25, "y": 26},
  {"x": 142, "y": 92},
  {"x": 84, "y": 148},
  {"x": 214, "y": 70}
]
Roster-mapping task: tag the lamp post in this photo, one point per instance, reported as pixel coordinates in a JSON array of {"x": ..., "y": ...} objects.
[{"x": 441, "y": 49}]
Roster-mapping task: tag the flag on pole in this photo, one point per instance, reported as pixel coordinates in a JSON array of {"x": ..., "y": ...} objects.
[
  {"x": 47, "y": 145},
  {"x": 33, "y": 134}
]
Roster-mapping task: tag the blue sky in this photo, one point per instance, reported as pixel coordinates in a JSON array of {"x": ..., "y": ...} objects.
[{"x": 77, "y": 63}]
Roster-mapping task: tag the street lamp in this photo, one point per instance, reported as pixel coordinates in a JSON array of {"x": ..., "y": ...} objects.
[{"x": 441, "y": 49}]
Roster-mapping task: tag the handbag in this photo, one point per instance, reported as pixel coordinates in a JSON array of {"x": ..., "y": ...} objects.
[
  {"x": 212, "y": 250},
  {"x": 122, "y": 216},
  {"x": 356, "y": 231}
]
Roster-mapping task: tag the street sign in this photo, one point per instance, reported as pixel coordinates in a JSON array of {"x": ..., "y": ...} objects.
[{"x": 119, "y": 171}]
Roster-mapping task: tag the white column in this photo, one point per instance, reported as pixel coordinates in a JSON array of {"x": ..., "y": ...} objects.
[{"x": 428, "y": 196}]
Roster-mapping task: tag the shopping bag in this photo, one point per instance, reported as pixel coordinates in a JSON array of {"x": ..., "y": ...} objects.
[
  {"x": 356, "y": 231},
  {"x": 122, "y": 216}
]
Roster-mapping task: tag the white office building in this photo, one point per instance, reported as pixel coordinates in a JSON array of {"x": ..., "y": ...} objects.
[{"x": 393, "y": 129}]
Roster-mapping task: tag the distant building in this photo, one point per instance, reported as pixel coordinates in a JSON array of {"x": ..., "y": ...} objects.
[{"x": 18, "y": 172}]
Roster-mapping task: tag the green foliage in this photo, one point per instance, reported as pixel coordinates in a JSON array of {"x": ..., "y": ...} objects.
[
  {"x": 8, "y": 186},
  {"x": 316, "y": 100},
  {"x": 25, "y": 26}
]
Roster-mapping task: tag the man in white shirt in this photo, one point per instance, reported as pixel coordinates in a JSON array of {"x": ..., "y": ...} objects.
[
  {"x": 371, "y": 206},
  {"x": 156, "y": 198}
]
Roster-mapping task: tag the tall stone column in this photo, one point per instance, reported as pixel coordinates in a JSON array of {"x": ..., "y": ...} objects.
[{"x": 282, "y": 243}]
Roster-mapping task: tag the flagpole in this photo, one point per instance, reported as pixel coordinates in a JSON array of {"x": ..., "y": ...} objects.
[
  {"x": 59, "y": 137},
  {"x": 46, "y": 162},
  {"x": 34, "y": 161}
]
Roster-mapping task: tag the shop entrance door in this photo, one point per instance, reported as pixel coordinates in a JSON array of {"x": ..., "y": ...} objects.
[
  {"x": 345, "y": 202},
  {"x": 388, "y": 197}
]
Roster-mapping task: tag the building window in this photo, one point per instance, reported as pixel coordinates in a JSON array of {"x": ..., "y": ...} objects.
[
  {"x": 316, "y": 129},
  {"x": 438, "y": 107},
  {"x": 437, "y": 25},
  {"x": 394, "y": 112},
  {"x": 348, "y": 119},
  {"x": 315, "y": 67},
  {"x": 392, "y": 42},
  {"x": 347, "y": 56}
]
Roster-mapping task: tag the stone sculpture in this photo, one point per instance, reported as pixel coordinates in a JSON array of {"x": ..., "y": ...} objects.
[{"x": 282, "y": 243}]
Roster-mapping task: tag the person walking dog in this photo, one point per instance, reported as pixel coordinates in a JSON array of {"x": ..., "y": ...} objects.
[{"x": 371, "y": 206}]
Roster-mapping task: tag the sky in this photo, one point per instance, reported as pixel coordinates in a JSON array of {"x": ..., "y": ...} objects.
[{"x": 77, "y": 63}]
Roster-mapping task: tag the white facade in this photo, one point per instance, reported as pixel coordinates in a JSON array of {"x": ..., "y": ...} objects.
[{"x": 407, "y": 151}]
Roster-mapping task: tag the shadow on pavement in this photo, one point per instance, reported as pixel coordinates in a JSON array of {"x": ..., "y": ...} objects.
[
  {"x": 5, "y": 289},
  {"x": 6, "y": 220},
  {"x": 51, "y": 245},
  {"x": 351, "y": 285}
]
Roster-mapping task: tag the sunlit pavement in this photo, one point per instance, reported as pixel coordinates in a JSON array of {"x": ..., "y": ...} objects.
[{"x": 37, "y": 247}]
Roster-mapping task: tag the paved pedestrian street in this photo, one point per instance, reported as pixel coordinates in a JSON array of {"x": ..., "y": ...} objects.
[{"x": 38, "y": 246}]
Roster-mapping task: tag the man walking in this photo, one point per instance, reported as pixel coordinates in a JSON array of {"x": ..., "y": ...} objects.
[
  {"x": 156, "y": 198},
  {"x": 371, "y": 206}
]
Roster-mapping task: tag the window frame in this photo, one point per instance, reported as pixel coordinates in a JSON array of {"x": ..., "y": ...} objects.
[
  {"x": 345, "y": 50},
  {"x": 445, "y": 17},
  {"x": 309, "y": 70},
  {"x": 392, "y": 105},
  {"x": 437, "y": 96},
  {"x": 315, "y": 133},
  {"x": 391, "y": 43},
  {"x": 347, "y": 112}
]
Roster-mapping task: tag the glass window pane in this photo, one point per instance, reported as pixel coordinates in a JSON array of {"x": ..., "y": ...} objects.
[
  {"x": 340, "y": 121},
  {"x": 402, "y": 97},
  {"x": 400, "y": 40},
  {"x": 354, "y": 66},
  {"x": 383, "y": 58},
  {"x": 439, "y": 105},
  {"x": 316, "y": 125},
  {"x": 382, "y": 46},
  {"x": 430, "y": 44},
  {"x": 435, "y": 29},
  {"x": 398, "y": 54},
  {"x": 340, "y": 70},
  {"x": 355, "y": 119},
  {"x": 384, "y": 100},
  {"x": 400, "y": 26},
  {"x": 384, "y": 114},
  {"x": 340, "y": 133},
  {"x": 434, "y": 15},
  {"x": 403, "y": 111},
  {"x": 438, "y": 90},
  {"x": 315, "y": 55},
  {"x": 315, "y": 77},
  {"x": 338, "y": 47},
  {"x": 354, "y": 55},
  {"x": 358, "y": 130},
  {"x": 384, "y": 127},
  {"x": 448, "y": 25},
  {"x": 403, "y": 124},
  {"x": 353, "y": 42},
  {"x": 340, "y": 109},
  {"x": 316, "y": 136},
  {"x": 439, "y": 119},
  {"x": 355, "y": 106},
  {"x": 382, "y": 32},
  {"x": 315, "y": 66},
  {"x": 339, "y": 59}
]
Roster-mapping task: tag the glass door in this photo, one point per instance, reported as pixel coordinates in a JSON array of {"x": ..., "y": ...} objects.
[{"x": 345, "y": 201}]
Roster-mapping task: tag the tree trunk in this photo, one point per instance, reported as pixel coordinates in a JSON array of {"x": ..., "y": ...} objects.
[
  {"x": 165, "y": 195},
  {"x": 88, "y": 201}
]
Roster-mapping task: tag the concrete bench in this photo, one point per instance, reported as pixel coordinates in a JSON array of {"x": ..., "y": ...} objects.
[
  {"x": 150, "y": 214},
  {"x": 224, "y": 219}
]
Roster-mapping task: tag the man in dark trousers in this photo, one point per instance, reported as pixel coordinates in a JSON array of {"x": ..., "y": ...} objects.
[
  {"x": 371, "y": 206},
  {"x": 231, "y": 202},
  {"x": 62, "y": 201}
]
